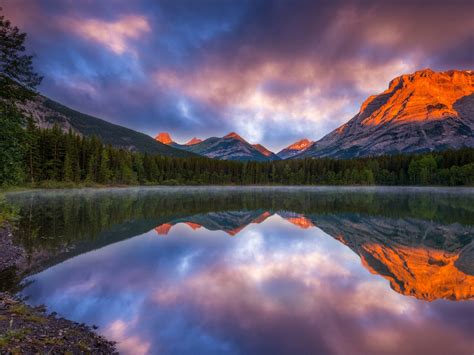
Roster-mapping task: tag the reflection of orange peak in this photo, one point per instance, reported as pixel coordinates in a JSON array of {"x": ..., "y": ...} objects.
[
  {"x": 427, "y": 274},
  {"x": 235, "y": 231},
  {"x": 163, "y": 229},
  {"x": 257, "y": 220},
  {"x": 193, "y": 226},
  {"x": 301, "y": 222},
  {"x": 262, "y": 217}
]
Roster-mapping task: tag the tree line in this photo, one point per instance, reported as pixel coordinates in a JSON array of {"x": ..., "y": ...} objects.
[{"x": 56, "y": 156}]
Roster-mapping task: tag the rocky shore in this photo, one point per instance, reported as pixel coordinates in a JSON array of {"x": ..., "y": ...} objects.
[
  {"x": 30, "y": 330},
  {"x": 10, "y": 255}
]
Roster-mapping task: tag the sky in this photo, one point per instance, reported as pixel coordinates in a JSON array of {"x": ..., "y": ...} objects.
[{"x": 272, "y": 71}]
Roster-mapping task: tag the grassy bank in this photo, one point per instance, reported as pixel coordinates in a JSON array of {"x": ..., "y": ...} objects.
[{"x": 25, "y": 329}]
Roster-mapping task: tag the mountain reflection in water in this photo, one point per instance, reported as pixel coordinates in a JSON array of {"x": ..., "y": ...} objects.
[
  {"x": 155, "y": 270},
  {"x": 400, "y": 250}
]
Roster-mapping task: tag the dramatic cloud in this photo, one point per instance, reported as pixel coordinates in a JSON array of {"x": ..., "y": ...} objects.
[
  {"x": 274, "y": 71},
  {"x": 117, "y": 36}
]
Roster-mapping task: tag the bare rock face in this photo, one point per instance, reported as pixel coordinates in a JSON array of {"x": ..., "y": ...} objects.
[
  {"x": 419, "y": 112},
  {"x": 295, "y": 149},
  {"x": 164, "y": 138},
  {"x": 193, "y": 141}
]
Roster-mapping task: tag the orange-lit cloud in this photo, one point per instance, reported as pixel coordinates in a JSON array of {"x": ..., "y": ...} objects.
[{"x": 117, "y": 35}]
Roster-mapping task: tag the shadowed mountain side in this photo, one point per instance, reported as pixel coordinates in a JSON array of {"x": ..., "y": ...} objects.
[{"x": 46, "y": 113}]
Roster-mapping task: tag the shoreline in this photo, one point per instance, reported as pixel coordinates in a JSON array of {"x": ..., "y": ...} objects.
[{"x": 27, "y": 329}]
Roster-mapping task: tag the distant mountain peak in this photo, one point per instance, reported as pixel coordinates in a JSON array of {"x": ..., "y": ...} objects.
[
  {"x": 295, "y": 148},
  {"x": 300, "y": 145},
  {"x": 235, "y": 136},
  {"x": 193, "y": 141},
  {"x": 164, "y": 138}
]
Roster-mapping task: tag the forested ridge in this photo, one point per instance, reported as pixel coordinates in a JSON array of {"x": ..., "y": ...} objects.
[{"x": 52, "y": 155}]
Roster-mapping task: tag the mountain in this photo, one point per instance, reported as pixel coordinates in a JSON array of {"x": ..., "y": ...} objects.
[
  {"x": 164, "y": 138},
  {"x": 294, "y": 149},
  {"x": 419, "y": 258},
  {"x": 268, "y": 153},
  {"x": 419, "y": 112},
  {"x": 193, "y": 141},
  {"x": 230, "y": 147},
  {"x": 46, "y": 113}
]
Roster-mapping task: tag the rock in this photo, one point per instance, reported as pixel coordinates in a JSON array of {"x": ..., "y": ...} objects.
[{"x": 419, "y": 112}]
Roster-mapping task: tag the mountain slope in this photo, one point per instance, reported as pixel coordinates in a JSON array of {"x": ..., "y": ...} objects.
[
  {"x": 419, "y": 112},
  {"x": 229, "y": 147},
  {"x": 294, "y": 149},
  {"x": 46, "y": 113},
  {"x": 268, "y": 153}
]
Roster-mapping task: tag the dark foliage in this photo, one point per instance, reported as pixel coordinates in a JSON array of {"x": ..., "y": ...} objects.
[{"x": 52, "y": 155}]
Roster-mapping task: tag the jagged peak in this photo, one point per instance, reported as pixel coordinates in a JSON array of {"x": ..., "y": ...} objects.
[
  {"x": 193, "y": 141},
  {"x": 300, "y": 145},
  {"x": 234, "y": 136},
  {"x": 164, "y": 138},
  {"x": 422, "y": 95}
]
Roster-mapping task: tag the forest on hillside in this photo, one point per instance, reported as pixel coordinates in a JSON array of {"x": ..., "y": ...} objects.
[{"x": 50, "y": 155}]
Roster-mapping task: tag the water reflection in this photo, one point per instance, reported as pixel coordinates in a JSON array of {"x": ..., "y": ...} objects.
[{"x": 296, "y": 276}]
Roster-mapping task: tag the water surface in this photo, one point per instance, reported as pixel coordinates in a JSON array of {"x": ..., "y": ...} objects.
[{"x": 256, "y": 270}]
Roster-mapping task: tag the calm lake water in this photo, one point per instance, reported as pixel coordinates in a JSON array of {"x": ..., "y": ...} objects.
[{"x": 256, "y": 270}]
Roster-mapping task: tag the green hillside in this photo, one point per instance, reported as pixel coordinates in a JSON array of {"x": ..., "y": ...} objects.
[{"x": 109, "y": 133}]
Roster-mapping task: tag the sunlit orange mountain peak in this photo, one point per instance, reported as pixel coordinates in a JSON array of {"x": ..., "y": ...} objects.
[
  {"x": 235, "y": 136},
  {"x": 300, "y": 145},
  {"x": 419, "y": 112},
  {"x": 423, "y": 95},
  {"x": 193, "y": 141},
  {"x": 164, "y": 138},
  {"x": 295, "y": 148}
]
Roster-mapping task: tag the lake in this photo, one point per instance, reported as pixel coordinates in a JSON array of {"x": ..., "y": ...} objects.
[{"x": 256, "y": 270}]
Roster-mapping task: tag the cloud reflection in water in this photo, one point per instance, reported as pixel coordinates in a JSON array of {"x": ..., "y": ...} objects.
[{"x": 274, "y": 288}]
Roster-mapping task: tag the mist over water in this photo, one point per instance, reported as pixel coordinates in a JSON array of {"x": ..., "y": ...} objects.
[{"x": 256, "y": 270}]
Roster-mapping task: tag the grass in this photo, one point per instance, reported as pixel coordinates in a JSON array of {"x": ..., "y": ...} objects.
[
  {"x": 8, "y": 213},
  {"x": 27, "y": 314},
  {"x": 10, "y": 336}
]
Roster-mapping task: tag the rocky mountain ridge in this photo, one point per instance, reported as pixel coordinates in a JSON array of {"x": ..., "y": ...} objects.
[
  {"x": 419, "y": 112},
  {"x": 230, "y": 147}
]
